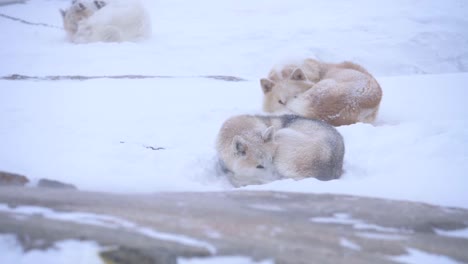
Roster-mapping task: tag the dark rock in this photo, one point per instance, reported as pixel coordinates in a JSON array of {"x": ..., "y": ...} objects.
[
  {"x": 225, "y": 78},
  {"x": 124, "y": 255},
  {"x": 7, "y": 178},
  {"x": 46, "y": 183}
]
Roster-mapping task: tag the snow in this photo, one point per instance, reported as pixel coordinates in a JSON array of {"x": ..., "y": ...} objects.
[
  {"x": 415, "y": 256},
  {"x": 222, "y": 260},
  {"x": 266, "y": 207},
  {"x": 62, "y": 252},
  {"x": 99, "y": 134},
  {"x": 380, "y": 236},
  {"x": 417, "y": 151},
  {"x": 85, "y": 252},
  {"x": 461, "y": 233},
  {"x": 345, "y": 219},
  {"x": 247, "y": 37},
  {"x": 107, "y": 222},
  {"x": 344, "y": 242}
]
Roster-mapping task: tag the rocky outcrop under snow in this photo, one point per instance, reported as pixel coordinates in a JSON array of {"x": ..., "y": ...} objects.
[{"x": 283, "y": 227}]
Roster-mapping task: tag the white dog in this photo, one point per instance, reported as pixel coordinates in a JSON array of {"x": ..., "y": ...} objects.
[{"x": 106, "y": 21}]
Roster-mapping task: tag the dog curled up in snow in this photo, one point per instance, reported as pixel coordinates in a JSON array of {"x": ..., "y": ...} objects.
[
  {"x": 106, "y": 21},
  {"x": 77, "y": 12},
  {"x": 339, "y": 94},
  {"x": 260, "y": 149}
]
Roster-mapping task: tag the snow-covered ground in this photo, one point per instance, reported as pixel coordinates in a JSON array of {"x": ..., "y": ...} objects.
[
  {"x": 415, "y": 256},
  {"x": 78, "y": 251},
  {"x": 246, "y": 37},
  {"x": 96, "y": 134},
  {"x": 84, "y": 252}
]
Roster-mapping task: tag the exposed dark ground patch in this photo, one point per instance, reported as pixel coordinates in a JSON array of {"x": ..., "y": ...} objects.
[
  {"x": 20, "y": 77},
  {"x": 23, "y": 21}
]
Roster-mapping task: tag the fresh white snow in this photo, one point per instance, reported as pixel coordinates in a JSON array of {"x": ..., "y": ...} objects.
[
  {"x": 107, "y": 222},
  {"x": 418, "y": 150},
  {"x": 222, "y": 260},
  {"x": 380, "y": 236},
  {"x": 416, "y": 256},
  {"x": 79, "y": 252},
  {"x": 96, "y": 134},
  {"x": 246, "y": 37},
  {"x": 461, "y": 233},
  {"x": 344, "y": 242},
  {"x": 345, "y": 219},
  {"x": 85, "y": 252},
  {"x": 266, "y": 207}
]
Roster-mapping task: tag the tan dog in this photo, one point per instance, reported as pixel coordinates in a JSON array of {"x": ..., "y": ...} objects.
[
  {"x": 339, "y": 94},
  {"x": 261, "y": 149}
]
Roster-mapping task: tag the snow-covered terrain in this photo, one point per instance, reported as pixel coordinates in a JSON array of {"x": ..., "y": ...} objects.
[
  {"x": 107, "y": 222},
  {"x": 102, "y": 134},
  {"x": 84, "y": 252},
  {"x": 415, "y": 256},
  {"x": 246, "y": 37},
  {"x": 65, "y": 251}
]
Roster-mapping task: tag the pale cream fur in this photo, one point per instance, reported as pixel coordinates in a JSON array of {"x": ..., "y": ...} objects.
[
  {"x": 76, "y": 13},
  {"x": 261, "y": 149},
  {"x": 339, "y": 94},
  {"x": 106, "y": 21}
]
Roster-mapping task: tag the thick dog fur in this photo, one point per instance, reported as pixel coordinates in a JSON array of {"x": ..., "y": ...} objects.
[
  {"x": 79, "y": 11},
  {"x": 106, "y": 21},
  {"x": 261, "y": 149},
  {"x": 339, "y": 94}
]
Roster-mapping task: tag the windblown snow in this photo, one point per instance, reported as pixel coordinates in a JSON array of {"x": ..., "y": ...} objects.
[{"x": 157, "y": 134}]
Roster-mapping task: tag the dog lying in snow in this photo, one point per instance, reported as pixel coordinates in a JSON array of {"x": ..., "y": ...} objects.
[
  {"x": 260, "y": 149},
  {"x": 339, "y": 94},
  {"x": 106, "y": 21}
]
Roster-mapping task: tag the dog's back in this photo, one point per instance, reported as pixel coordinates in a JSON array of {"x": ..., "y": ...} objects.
[
  {"x": 309, "y": 148},
  {"x": 128, "y": 19}
]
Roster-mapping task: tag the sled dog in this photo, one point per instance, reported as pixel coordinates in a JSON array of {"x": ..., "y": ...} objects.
[
  {"x": 260, "y": 149},
  {"x": 106, "y": 21},
  {"x": 339, "y": 94}
]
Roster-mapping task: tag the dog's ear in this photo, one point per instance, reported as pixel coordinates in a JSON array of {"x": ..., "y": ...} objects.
[
  {"x": 239, "y": 145},
  {"x": 267, "y": 85},
  {"x": 298, "y": 75},
  {"x": 268, "y": 134},
  {"x": 63, "y": 12},
  {"x": 99, "y": 4}
]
